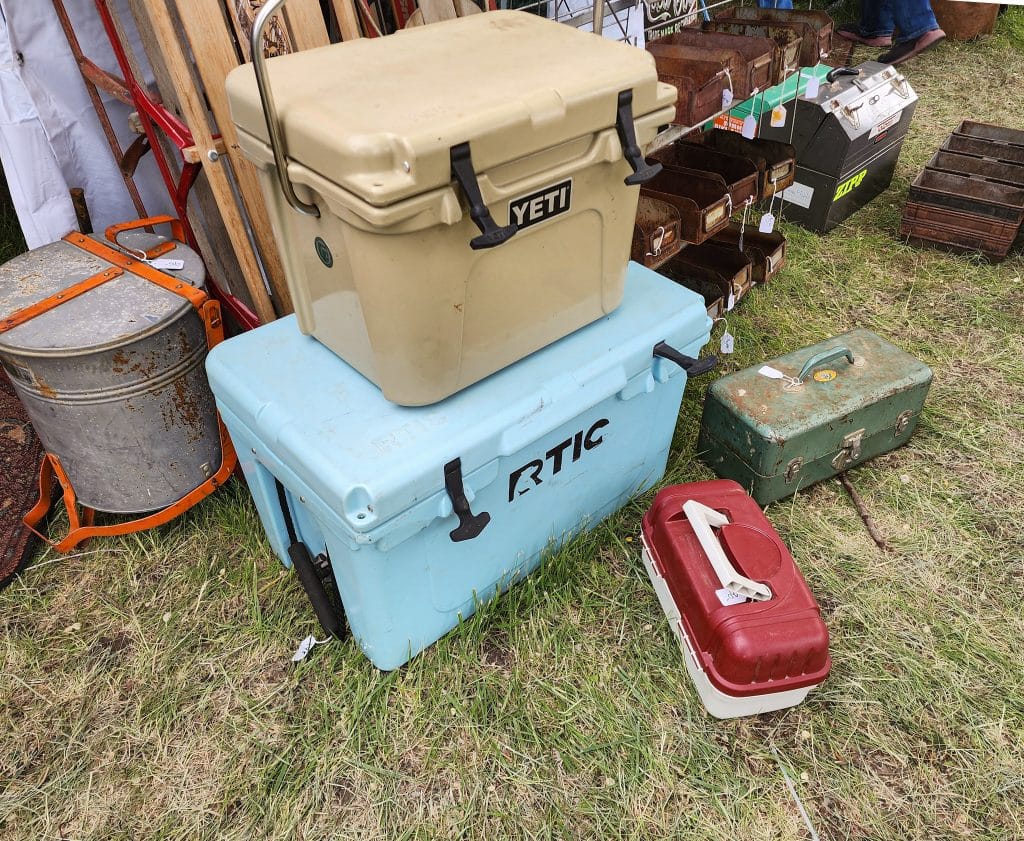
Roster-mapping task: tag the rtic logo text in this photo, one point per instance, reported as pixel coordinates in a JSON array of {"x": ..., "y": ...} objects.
[
  {"x": 849, "y": 185},
  {"x": 536, "y": 207},
  {"x": 529, "y": 475}
]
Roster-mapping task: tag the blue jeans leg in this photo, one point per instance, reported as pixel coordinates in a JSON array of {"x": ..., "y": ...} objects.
[
  {"x": 775, "y": 4},
  {"x": 876, "y": 18},
  {"x": 913, "y": 19}
]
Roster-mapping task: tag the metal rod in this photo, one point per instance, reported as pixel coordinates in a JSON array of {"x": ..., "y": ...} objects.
[
  {"x": 274, "y": 133},
  {"x": 598, "y": 16}
]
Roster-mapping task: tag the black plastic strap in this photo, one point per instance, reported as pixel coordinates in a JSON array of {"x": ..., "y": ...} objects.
[
  {"x": 315, "y": 575},
  {"x": 463, "y": 172},
  {"x": 643, "y": 170},
  {"x": 470, "y": 524},
  {"x": 693, "y": 367},
  {"x": 841, "y": 71}
]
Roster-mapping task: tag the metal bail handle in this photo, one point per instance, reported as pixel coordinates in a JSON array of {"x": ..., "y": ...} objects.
[
  {"x": 701, "y": 519},
  {"x": 274, "y": 134},
  {"x": 829, "y": 355}
]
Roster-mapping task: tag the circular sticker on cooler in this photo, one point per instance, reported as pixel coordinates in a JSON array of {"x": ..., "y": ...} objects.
[
  {"x": 323, "y": 252},
  {"x": 826, "y": 375}
]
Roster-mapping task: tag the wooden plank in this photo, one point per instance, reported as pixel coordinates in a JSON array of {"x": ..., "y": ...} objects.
[
  {"x": 203, "y": 212},
  {"x": 306, "y": 24},
  {"x": 348, "y": 20},
  {"x": 193, "y": 108},
  {"x": 213, "y": 51}
]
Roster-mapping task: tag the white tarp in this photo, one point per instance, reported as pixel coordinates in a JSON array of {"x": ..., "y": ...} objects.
[{"x": 50, "y": 137}]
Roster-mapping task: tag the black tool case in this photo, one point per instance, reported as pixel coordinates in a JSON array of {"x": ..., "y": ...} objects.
[{"x": 847, "y": 140}]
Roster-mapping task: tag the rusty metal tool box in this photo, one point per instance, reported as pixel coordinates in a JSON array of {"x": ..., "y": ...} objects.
[
  {"x": 811, "y": 414},
  {"x": 786, "y": 41},
  {"x": 453, "y": 197},
  {"x": 971, "y": 166},
  {"x": 848, "y": 139},
  {"x": 814, "y": 27},
  {"x": 767, "y": 252},
  {"x": 703, "y": 203},
  {"x": 998, "y": 202},
  {"x": 748, "y": 626},
  {"x": 657, "y": 235},
  {"x": 740, "y": 174},
  {"x": 988, "y": 131},
  {"x": 725, "y": 265},
  {"x": 701, "y": 84},
  {"x": 711, "y": 287},
  {"x": 962, "y": 233},
  {"x": 774, "y": 159},
  {"x": 748, "y": 60},
  {"x": 984, "y": 148}
]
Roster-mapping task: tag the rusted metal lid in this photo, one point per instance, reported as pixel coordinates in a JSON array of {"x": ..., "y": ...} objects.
[{"x": 114, "y": 313}]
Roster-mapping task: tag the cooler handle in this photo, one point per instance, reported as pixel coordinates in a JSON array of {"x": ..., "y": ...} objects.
[
  {"x": 274, "y": 133},
  {"x": 825, "y": 356},
  {"x": 643, "y": 170},
  {"x": 701, "y": 519},
  {"x": 693, "y": 367},
  {"x": 832, "y": 75}
]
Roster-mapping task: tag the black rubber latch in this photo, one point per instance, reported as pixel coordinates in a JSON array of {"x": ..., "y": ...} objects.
[
  {"x": 490, "y": 233},
  {"x": 693, "y": 367},
  {"x": 841, "y": 71},
  {"x": 643, "y": 170},
  {"x": 470, "y": 524}
]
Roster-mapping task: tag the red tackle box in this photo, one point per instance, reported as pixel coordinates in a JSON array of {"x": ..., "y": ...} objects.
[{"x": 749, "y": 628}]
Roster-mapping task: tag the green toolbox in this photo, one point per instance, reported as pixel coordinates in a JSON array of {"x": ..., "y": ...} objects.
[{"x": 811, "y": 414}]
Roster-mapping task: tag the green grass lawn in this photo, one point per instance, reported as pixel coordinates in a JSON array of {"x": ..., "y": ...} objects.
[{"x": 146, "y": 689}]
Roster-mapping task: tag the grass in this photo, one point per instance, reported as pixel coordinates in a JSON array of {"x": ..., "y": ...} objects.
[{"x": 147, "y": 690}]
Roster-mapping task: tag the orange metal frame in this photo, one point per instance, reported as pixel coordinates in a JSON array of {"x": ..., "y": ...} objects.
[{"x": 82, "y": 527}]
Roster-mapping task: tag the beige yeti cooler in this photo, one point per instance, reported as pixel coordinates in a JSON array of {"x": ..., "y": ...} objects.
[{"x": 461, "y": 194}]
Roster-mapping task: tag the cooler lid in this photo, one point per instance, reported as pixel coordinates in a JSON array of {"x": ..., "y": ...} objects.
[
  {"x": 375, "y": 465},
  {"x": 379, "y": 116},
  {"x": 123, "y": 308}
]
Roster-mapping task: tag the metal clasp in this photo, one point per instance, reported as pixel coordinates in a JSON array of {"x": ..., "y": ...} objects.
[
  {"x": 903, "y": 421},
  {"x": 850, "y": 451},
  {"x": 793, "y": 469}
]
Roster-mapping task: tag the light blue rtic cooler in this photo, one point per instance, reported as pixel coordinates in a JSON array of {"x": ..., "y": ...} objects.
[{"x": 541, "y": 450}]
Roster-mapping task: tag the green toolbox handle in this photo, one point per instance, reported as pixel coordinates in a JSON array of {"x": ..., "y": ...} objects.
[{"x": 823, "y": 357}]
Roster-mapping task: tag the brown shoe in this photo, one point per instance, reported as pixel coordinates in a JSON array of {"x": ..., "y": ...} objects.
[
  {"x": 908, "y": 49},
  {"x": 851, "y": 32}
]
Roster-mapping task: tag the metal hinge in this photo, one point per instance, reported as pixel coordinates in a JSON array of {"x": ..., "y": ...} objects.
[
  {"x": 850, "y": 451},
  {"x": 903, "y": 421}
]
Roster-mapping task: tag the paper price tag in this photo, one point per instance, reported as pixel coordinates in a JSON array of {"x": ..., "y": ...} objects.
[
  {"x": 731, "y": 302},
  {"x": 729, "y": 598},
  {"x": 307, "y": 645},
  {"x": 771, "y": 373},
  {"x": 813, "y": 88},
  {"x": 726, "y": 98},
  {"x": 778, "y": 116},
  {"x": 749, "y": 127},
  {"x": 165, "y": 264},
  {"x": 727, "y": 342},
  {"x": 767, "y": 224}
]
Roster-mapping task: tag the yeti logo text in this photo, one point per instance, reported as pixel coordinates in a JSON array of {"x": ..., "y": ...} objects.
[
  {"x": 849, "y": 185},
  {"x": 558, "y": 455},
  {"x": 536, "y": 207}
]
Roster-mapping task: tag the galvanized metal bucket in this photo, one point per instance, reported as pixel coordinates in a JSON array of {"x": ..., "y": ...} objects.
[{"x": 113, "y": 378}]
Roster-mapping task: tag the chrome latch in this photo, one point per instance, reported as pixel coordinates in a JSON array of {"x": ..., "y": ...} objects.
[
  {"x": 903, "y": 421},
  {"x": 850, "y": 451},
  {"x": 793, "y": 469}
]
